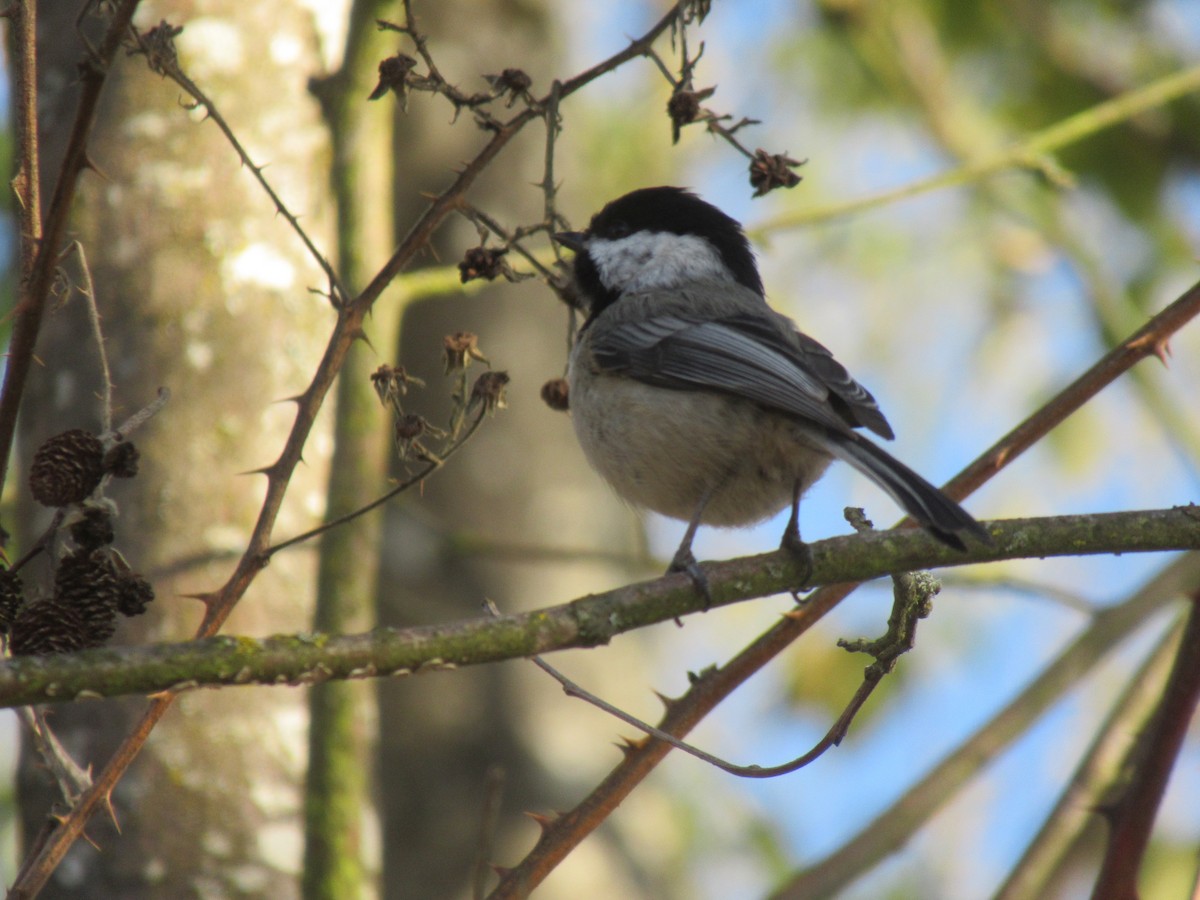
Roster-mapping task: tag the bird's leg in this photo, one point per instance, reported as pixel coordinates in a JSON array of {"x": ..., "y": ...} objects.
[
  {"x": 791, "y": 536},
  {"x": 685, "y": 561}
]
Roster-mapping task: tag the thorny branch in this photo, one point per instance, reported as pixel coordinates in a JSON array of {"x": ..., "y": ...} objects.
[
  {"x": 349, "y": 328},
  {"x": 913, "y": 601},
  {"x": 1131, "y": 817},
  {"x": 158, "y": 46},
  {"x": 36, "y": 283}
]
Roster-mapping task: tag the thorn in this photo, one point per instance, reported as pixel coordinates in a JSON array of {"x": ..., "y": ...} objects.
[
  {"x": 666, "y": 701},
  {"x": 627, "y": 746},
  {"x": 269, "y": 471},
  {"x": 1106, "y": 809},
  {"x": 87, "y": 164},
  {"x": 85, "y": 836},
  {"x": 111, "y": 810},
  {"x": 501, "y": 871},
  {"x": 794, "y": 614},
  {"x": 1162, "y": 349},
  {"x": 543, "y": 821}
]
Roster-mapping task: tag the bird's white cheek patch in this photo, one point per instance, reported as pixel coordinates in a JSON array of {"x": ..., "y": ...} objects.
[{"x": 654, "y": 260}]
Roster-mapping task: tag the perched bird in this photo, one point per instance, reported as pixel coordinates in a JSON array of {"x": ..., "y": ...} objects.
[{"x": 695, "y": 399}]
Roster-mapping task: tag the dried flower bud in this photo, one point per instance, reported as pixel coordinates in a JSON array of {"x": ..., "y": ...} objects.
[
  {"x": 94, "y": 530},
  {"x": 135, "y": 594},
  {"x": 12, "y": 598},
  {"x": 122, "y": 460},
  {"x": 684, "y": 108},
  {"x": 489, "y": 391},
  {"x": 556, "y": 394},
  {"x": 459, "y": 349},
  {"x": 66, "y": 468},
  {"x": 48, "y": 626},
  {"x": 483, "y": 262},
  {"x": 770, "y": 171}
]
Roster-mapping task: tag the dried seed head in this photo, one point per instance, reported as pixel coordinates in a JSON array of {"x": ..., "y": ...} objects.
[
  {"x": 512, "y": 82},
  {"x": 94, "y": 530},
  {"x": 489, "y": 391},
  {"x": 459, "y": 349},
  {"x": 556, "y": 394},
  {"x": 135, "y": 595},
  {"x": 89, "y": 584},
  {"x": 770, "y": 171},
  {"x": 685, "y": 107},
  {"x": 48, "y": 626},
  {"x": 12, "y": 598},
  {"x": 391, "y": 383},
  {"x": 122, "y": 460},
  {"x": 483, "y": 262},
  {"x": 393, "y": 76},
  {"x": 66, "y": 468}
]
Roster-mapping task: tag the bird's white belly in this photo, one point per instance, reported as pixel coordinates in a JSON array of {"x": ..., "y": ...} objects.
[{"x": 666, "y": 450}]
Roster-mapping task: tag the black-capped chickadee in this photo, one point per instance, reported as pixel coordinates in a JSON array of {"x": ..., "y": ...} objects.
[{"x": 695, "y": 399}]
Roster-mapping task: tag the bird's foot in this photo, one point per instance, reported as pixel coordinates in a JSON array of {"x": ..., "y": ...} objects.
[
  {"x": 792, "y": 543},
  {"x": 685, "y": 561}
]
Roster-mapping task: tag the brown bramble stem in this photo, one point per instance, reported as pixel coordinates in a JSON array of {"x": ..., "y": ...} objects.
[{"x": 1131, "y": 818}]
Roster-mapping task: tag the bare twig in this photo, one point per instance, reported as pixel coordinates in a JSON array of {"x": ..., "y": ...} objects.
[
  {"x": 141, "y": 417},
  {"x": 89, "y": 295},
  {"x": 35, "y": 288},
  {"x": 158, "y": 46},
  {"x": 912, "y": 591},
  {"x": 72, "y": 779},
  {"x": 431, "y": 466},
  {"x": 489, "y": 818}
]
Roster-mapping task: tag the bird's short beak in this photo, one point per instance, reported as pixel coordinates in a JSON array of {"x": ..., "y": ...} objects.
[{"x": 572, "y": 240}]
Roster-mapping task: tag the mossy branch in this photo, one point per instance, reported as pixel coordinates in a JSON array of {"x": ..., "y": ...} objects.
[{"x": 587, "y": 622}]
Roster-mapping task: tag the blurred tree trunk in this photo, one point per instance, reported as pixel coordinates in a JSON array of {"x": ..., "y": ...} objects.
[
  {"x": 521, "y": 482},
  {"x": 202, "y": 288}
]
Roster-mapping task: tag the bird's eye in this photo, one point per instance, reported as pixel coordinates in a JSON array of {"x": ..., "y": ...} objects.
[{"x": 618, "y": 230}]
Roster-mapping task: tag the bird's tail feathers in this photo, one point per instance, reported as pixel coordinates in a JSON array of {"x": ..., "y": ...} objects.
[{"x": 932, "y": 509}]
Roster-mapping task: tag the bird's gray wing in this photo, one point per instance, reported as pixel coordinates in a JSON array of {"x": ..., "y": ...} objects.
[{"x": 746, "y": 355}]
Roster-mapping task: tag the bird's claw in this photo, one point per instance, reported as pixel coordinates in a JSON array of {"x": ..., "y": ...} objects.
[
  {"x": 684, "y": 561},
  {"x": 792, "y": 543}
]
